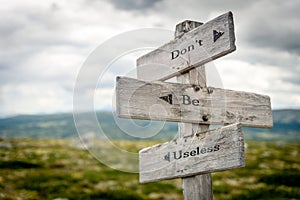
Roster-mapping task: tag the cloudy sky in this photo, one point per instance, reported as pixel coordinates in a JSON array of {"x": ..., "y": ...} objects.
[{"x": 44, "y": 45}]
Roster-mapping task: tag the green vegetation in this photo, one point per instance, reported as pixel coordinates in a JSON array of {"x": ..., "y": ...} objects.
[
  {"x": 52, "y": 168},
  {"x": 272, "y": 172},
  {"x": 55, "y": 168}
]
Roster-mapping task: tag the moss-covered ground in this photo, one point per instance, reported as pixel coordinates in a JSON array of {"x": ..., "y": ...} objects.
[{"x": 55, "y": 169}]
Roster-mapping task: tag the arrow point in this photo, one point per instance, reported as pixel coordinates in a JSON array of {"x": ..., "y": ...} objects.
[
  {"x": 217, "y": 35},
  {"x": 167, "y": 157},
  {"x": 167, "y": 98}
]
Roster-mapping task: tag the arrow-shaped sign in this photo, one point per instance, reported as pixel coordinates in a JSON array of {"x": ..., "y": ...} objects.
[
  {"x": 167, "y": 98},
  {"x": 196, "y": 47},
  {"x": 185, "y": 103},
  {"x": 212, "y": 151},
  {"x": 217, "y": 35}
]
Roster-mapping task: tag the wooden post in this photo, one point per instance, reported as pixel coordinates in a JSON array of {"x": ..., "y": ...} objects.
[
  {"x": 196, "y": 187},
  {"x": 181, "y": 58}
]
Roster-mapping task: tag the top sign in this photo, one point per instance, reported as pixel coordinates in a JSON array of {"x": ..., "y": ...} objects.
[{"x": 199, "y": 46}]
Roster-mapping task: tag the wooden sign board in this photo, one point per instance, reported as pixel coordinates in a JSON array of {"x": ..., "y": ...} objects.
[
  {"x": 189, "y": 103},
  {"x": 196, "y": 47},
  {"x": 216, "y": 150}
]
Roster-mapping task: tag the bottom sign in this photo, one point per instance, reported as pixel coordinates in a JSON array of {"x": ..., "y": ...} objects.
[{"x": 206, "y": 152}]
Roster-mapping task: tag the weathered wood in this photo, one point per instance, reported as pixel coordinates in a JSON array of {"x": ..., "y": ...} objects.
[
  {"x": 185, "y": 27},
  {"x": 196, "y": 47},
  {"x": 191, "y": 103},
  {"x": 200, "y": 186},
  {"x": 216, "y": 150}
]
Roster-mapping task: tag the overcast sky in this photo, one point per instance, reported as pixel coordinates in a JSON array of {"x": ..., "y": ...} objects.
[{"x": 44, "y": 44}]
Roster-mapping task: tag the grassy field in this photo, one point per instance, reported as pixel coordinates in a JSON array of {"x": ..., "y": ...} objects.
[{"x": 55, "y": 169}]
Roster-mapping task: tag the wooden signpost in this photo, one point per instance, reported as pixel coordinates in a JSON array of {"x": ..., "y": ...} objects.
[
  {"x": 211, "y": 151},
  {"x": 189, "y": 103},
  {"x": 197, "y": 151},
  {"x": 196, "y": 47}
]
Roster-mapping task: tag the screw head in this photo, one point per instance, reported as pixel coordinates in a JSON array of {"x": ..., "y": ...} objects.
[
  {"x": 196, "y": 88},
  {"x": 210, "y": 90},
  {"x": 205, "y": 118}
]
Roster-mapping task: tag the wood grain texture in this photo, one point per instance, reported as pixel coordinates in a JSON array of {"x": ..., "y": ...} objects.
[
  {"x": 192, "y": 49},
  {"x": 216, "y": 150},
  {"x": 141, "y": 100},
  {"x": 199, "y": 186}
]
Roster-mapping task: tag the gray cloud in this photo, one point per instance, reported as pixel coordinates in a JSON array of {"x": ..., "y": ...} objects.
[
  {"x": 43, "y": 45},
  {"x": 273, "y": 25},
  {"x": 139, "y": 5}
]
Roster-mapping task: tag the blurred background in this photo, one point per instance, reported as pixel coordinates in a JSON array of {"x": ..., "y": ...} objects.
[{"x": 44, "y": 45}]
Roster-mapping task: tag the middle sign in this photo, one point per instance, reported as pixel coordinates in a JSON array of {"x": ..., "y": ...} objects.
[{"x": 189, "y": 103}]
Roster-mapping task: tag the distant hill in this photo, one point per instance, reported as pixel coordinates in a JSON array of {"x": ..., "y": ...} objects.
[
  {"x": 286, "y": 127},
  {"x": 63, "y": 126}
]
